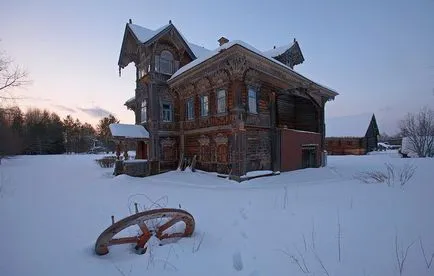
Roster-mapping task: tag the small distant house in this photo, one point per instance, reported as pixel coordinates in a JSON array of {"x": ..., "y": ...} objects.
[{"x": 355, "y": 135}]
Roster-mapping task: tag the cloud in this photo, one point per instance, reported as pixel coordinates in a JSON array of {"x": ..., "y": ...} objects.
[
  {"x": 64, "y": 108},
  {"x": 96, "y": 111}
]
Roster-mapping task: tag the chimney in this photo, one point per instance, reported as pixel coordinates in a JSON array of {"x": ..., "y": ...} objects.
[
  {"x": 130, "y": 21},
  {"x": 222, "y": 40}
]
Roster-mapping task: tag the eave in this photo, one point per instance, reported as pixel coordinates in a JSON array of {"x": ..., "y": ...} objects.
[{"x": 307, "y": 83}]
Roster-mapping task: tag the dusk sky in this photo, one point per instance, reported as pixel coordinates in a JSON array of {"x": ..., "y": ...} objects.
[{"x": 378, "y": 56}]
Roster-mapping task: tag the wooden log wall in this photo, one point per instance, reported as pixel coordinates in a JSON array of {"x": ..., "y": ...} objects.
[{"x": 346, "y": 146}]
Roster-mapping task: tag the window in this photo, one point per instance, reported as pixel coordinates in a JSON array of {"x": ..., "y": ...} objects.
[
  {"x": 144, "y": 111},
  {"x": 165, "y": 63},
  {"x": 143, "y": 68},
  {"x": 142, "y": 72},
  {"x": 167, "y": 112},
  {"x": 253, "y": 106},
  {"x": 204, "y": 105},
  {"x": 190, "y": 109},
  {"x": 221, "y": 101}
]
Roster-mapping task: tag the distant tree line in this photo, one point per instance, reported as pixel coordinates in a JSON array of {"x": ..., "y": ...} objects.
[{"x": 42, "y": 132}]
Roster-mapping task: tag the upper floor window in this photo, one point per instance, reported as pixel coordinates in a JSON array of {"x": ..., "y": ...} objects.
[
  {"x": 144, "y": 111},
  {"x": 166, "y": 112},
  {"x": 143, "y": 68},
  {"x": 142, "y": 72},
  {"x": 165, "y": 63},
  {"x": 221, "y": 101},
  {"x": 204, "y": 107},
  {"x": 253, "y": 103},
  {"x": 190, "y": 109}
]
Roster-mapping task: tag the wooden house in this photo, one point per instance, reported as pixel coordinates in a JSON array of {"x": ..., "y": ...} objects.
[
  {"x": 355, "y": 135},
  {"x": 237, "y": 109}
]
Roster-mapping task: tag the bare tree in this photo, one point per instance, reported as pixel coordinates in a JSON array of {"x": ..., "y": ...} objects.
[
  {"x": 418, "y": 130},
  {"x": 11, "y": 76}
]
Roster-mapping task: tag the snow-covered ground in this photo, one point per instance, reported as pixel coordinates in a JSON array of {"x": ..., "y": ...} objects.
[{"x": 52, "y": 209}]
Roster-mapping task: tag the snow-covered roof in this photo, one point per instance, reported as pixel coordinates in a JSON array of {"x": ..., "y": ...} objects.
[
  {"x": 348, "y": 126},
  {"x": 227, "y": 45},
  {"x": 130, "y": 100},
  {"x": 201, "y": 59},
  {"x": 144, "y": 35},
  {"x": 278, "y": 50},
  {"x": 128, "y": 131},
  {"x": 198, "y": 50}
]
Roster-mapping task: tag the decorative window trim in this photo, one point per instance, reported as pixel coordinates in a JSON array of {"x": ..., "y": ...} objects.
[
  {"x": 187, "y": 109},
  {"x": 256, "y": 91},
  {"x": 202, "y": 97},
  {"x": 167, "y": 142},
  {"x": 221, "y": 139},
  {"x": 203, "y": 140},
  {"x": 225, "y": 109},
  {"x": 171, "y": 111},
  {"x": 160, "y": 63}
]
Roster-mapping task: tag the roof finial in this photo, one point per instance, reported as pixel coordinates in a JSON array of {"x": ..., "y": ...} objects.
[
  {"x": 170, "y": 21},
  {"x": 274, "y": 47},
  {"x": 295, "y": 40},
  {"x": 130, "y": 21}
]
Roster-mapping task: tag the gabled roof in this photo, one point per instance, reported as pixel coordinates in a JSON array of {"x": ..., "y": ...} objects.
[
  {"x": 349, "y": 126},
  {"x": 144, "y": 35},
  {"x": 247, "y": 46},
  {"x": 278, "y": 50},
  {"x": 292, "y": 49}
]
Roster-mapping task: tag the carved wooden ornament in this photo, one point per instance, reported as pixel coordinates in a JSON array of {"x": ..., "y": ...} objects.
[
  {"x": 204, "y": 140},
  {"x": 237, "y": 66},
  {"x": 221, "y": 139},
  {"x": 168, "y": 142},
  {"x": 219, "y": 78}
]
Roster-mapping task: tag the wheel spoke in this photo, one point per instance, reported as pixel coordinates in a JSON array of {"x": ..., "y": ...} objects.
[
  {"x": 167, "y": 225},
  {"x": 144, "y": 228},
  {"x": 123, "y": 240}
]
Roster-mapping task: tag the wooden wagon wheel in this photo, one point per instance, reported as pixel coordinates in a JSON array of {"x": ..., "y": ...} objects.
[{"x": 155, "y": 222}]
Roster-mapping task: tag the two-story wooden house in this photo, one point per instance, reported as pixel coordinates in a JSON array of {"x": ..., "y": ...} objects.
[{"x": 236, "y": 108}]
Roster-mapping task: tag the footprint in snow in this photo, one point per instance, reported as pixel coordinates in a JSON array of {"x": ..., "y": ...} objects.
[
  {"x": 237, "y": 261},
  {"x": 243, "y": 214}
]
